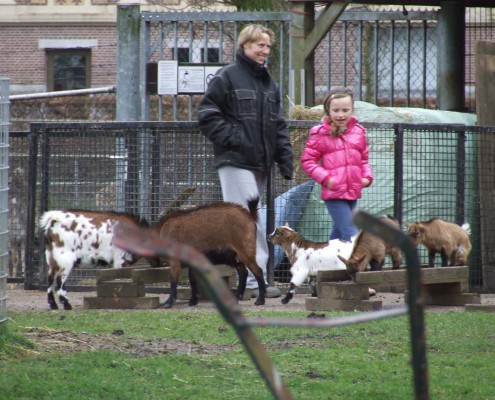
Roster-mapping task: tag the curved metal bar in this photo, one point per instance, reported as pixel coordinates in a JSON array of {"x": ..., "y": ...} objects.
[
  {"x": 415, "y": 300},
  {"x": 145, "y": 243}
]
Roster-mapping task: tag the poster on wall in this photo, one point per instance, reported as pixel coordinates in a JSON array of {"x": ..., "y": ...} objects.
[
  {"x": 176, "y": 79},
  {"x": 191, "y": 79},
  {"x": 167, "y": 77}
]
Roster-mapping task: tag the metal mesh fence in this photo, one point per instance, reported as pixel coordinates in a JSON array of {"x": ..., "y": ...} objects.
[
  {"x": 480, "y": 25},
  {"x": 421, "y": 172},
  {"x": 389, "y": 58},
  {"x": 4, "y": 190}
]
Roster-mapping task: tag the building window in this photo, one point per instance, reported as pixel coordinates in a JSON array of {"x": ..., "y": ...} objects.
[
  {"x": 184, "y": 55},
  {"x": 68, "y": 69},
  {"x": 213, "y": 55}
]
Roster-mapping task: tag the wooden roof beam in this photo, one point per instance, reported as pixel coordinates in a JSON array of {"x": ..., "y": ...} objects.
[{"x": 324, "y": 23}]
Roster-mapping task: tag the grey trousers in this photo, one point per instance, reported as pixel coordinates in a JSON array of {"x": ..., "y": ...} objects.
[{"x": 238, "y": 186}]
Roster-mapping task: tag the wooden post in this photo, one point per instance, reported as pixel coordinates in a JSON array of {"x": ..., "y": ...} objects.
[
  {"x": 485, "y": 104},
  {"x": 484, "y": 59},
  {"x": 302, "y": 73}
]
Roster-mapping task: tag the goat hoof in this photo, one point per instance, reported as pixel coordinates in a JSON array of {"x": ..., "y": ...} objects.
[
  {"x": 193, "y": 303},
  {"x": 166, "y": 305},
  {"x": 259, "y": 302},
  {"x": 67, "y": 306},
  {"x": 285, "y": 300},
  {"x": 53, "y": 307}
]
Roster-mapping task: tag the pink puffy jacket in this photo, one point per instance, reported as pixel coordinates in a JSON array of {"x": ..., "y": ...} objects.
[{"x": 343, "y": 159}]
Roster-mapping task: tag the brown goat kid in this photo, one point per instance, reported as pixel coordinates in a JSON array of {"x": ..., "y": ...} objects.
[
  {"x": 370, "y": 249},
  {"x": 439, "y": 236},
  {"x": 215, "y": 229}
]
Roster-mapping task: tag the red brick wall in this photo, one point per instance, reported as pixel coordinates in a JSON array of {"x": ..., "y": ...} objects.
[{"x": 25, "y": 64}]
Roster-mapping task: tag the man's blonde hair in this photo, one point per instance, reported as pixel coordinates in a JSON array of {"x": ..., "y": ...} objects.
[{"x": 252, "y": 33}]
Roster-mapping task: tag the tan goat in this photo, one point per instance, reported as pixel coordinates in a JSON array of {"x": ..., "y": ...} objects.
[
  {"x": 439, "y": 236},
  {"x": 370, "y": 249}
]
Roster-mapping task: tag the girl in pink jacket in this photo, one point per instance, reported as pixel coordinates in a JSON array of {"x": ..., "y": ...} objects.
[{"x": 336, "y": 157}]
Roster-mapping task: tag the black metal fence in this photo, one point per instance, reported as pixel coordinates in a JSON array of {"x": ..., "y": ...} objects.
[{"x": 421, "y": 172}]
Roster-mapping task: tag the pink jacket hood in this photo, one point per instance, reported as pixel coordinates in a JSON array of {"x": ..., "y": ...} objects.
[{"x": 343, "y": 159}]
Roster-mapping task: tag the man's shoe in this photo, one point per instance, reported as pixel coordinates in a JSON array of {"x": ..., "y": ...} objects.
[{"x": 271, "y": 292}]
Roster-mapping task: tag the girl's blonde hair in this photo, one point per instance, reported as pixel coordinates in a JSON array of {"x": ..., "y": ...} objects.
[
  {"x": 336, "y": 92},
  {"x": 252, "y": 33}
]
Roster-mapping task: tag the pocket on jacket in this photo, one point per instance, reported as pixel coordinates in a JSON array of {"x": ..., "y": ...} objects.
[
  {"x": 245, "y": 103},
  {"x": 273, "y": 106}
]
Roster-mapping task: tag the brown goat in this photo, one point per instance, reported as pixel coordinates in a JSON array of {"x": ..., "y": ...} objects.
[
  {"x": 439, "y": 236},
  {"x": 215, "y": 229},
  {"x": 370, "y": 249}
]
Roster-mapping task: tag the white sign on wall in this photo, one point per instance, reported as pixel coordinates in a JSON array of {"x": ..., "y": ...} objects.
[
  {"x": 210, "y": 73},
  {"x": 174, "y": 79},
  {"x": 167, "y": 77},
  {"x": 191, "y": 79}
]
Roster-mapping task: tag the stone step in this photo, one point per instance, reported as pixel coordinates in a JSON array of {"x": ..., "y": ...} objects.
[
  {"x": 113, "y": 273},
  {"x": 121, "y": 303},
  {"x": 344, "y": 291},
  {"x": 120, "y": 288},
  {"x": 153, "y": 275},
  {"x": 332, "y": 276}
]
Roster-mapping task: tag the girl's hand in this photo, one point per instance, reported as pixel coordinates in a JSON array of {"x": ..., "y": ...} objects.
[
  {"x": 366, "y": 182},
  {"x": 329, "y": 183}
]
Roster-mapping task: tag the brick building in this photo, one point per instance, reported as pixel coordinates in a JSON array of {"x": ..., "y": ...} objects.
[{"x": 51, "y": 45}]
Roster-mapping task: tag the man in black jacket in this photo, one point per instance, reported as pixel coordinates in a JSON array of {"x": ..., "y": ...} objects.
[{"x": 241, "y": 113}]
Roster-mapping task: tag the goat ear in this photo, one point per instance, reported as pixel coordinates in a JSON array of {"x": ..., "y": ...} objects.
[
  {"x": 286, "y": 224},
  {"x": 342, "y": 259}
]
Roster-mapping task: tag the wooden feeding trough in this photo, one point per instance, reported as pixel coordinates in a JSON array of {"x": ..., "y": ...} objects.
[
  {"x": 443, "y": 286},
  {"x": 125, "y": 288}
]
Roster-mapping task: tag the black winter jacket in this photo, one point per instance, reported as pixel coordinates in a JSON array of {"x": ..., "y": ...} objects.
[{"x": 241, "y": 114}]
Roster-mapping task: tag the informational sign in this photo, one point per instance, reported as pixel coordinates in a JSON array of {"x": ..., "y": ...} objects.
[
  {"x": 210, "y": 72},
  {"x": 167, "y": 77},
  {"x": 176, "y": 79},
  {"x": 191, "y": 79}
]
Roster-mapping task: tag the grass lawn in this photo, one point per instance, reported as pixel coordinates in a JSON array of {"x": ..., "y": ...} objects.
[{"x": 177, "y": 354}]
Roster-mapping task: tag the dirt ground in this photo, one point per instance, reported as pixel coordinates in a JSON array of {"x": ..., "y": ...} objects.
[
  {"x": 48, "y": 340},
  {"x": 32, "y": 300}
]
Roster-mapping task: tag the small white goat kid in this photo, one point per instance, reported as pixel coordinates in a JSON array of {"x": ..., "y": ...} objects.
[{"x": 307, "y": 257}]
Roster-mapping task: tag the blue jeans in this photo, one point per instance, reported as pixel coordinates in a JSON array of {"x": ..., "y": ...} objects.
[{"x": 341, "y": 213}]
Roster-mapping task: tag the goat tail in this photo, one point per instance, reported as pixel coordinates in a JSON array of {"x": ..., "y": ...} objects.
[
  {"x": 467, "y": 228},
  {"x": 49, "y": 218},
  {"x": 253, "y": 207}
]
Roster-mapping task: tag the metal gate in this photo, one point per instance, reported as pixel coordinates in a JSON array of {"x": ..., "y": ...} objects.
[
  {"x": 207, "y": 39},
  {"x": 388, "y": 57}
]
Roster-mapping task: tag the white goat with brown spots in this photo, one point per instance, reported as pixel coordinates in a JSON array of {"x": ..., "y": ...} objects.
[
  {"x": 81, "y": 237},
  {"x": 307, "y": 257}
]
